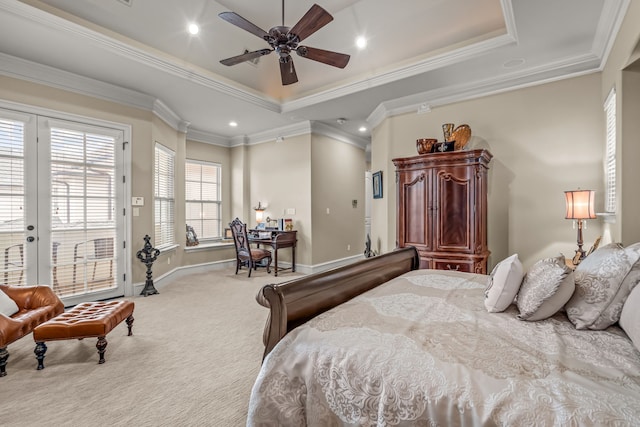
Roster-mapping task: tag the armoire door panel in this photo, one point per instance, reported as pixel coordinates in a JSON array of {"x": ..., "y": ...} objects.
[
  {"x": 416, "y": 214},
  {"x": 454, "y": 198}
]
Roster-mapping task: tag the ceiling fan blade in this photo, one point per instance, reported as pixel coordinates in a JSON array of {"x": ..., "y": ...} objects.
[
  {"x": 239, "y": 21},
  {"x": 328, "y": 57},
  {"x": 245, "y": 57},
  {"x": 287, "y": 71},
  {"x": 312, "y": 21}
]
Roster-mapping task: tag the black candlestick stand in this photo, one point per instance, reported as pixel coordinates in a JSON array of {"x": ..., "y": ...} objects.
[{"x": 148, "y": 254}]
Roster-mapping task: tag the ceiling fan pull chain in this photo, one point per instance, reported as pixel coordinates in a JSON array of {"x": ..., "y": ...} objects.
[{"x": 283, "y": 13}]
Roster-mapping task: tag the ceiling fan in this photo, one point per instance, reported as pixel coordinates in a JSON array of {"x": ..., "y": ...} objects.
[{"x": 284, "y": 40}]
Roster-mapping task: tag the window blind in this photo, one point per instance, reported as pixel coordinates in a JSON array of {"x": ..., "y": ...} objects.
[
  {"x": 12, "y": 200},
  {"x": 164, "y": 203},
  {"x": 610, "y": 153},
  {"x": 203, "y": 198}
]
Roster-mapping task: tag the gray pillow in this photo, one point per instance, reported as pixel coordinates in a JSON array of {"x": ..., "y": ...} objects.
[
  {"x": 8, "y": 307},
  {"x": 545, "y": 289},
  {"x": 598, "y": 280},
  {"x": 611, "y": 314}
]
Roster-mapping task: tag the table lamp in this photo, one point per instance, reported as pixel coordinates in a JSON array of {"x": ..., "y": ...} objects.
[
  {"x": 259, "y": 213},
  {"x": 580, "y": 207}
]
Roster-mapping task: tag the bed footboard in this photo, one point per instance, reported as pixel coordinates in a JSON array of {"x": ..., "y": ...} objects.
[{"x": 294, "y": 302}]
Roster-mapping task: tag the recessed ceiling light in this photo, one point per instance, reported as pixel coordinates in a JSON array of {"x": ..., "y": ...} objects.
[
  {"x": 233, "y": 124},
  {"x": 362, "y": 129},
  {"x": 361, "y": 42},
  {"x": 194, "y": 29}
]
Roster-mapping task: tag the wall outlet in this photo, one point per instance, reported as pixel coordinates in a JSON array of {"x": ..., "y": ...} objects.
[
  {"x": 168, "y": 260},
  {"x": 348, "y": 247},
  {"x": 328, "y": 212}
]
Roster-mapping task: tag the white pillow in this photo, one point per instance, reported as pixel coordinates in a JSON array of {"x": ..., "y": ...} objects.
[
  {"x": 8, "y": 307},
  {"x": 503, "y": 284},
  {"x": 630, "y": 317}
]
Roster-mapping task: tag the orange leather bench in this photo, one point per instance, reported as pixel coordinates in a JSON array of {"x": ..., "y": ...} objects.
[{"x": 85, "y": 320}]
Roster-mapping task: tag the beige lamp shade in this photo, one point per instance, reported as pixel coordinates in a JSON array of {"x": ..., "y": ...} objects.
[
  {"x": 259, "y": 213},
  {"x": 580, "y": 204}
]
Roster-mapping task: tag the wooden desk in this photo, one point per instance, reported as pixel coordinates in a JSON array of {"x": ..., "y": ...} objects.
[{"x": 278, "y": 240}]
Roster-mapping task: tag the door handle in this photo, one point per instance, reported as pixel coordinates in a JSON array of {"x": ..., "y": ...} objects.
[{"x": 30, "y": 239}]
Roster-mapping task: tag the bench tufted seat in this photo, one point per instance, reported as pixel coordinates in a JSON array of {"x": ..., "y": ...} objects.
[
  {"x": 37, "y": 304},
  {"x": 85, "y": 320}
]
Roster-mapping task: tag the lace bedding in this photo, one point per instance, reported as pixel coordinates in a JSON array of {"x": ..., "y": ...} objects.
[{"x": 422, "y": 350}]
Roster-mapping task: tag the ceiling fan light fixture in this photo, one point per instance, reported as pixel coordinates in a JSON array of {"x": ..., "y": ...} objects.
[
  {"x": 284, "y": 40},
  {"x": 361, "y": 42}
]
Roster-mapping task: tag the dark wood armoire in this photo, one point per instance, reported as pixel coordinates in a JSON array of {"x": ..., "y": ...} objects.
[{"x": 442, "y": 209}]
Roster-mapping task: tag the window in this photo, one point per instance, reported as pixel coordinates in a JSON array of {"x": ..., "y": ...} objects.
[
  {"x": 164, "y": 196},
  {"x": 610, "y": 153},
  {"x": 203, "y": 199}
]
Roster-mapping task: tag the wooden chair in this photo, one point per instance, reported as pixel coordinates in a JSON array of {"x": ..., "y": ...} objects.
[{"x": 244, "y": 253}]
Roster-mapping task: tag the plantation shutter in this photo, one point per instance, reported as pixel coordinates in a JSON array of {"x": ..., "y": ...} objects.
[
  {"x": 12, "y": 199},
  {"x": 610, "y": 153}
]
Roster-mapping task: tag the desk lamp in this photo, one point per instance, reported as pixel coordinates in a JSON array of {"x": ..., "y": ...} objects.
[
  {"x": 580, "y": 207},
  {"x": 259, "y": 213}
]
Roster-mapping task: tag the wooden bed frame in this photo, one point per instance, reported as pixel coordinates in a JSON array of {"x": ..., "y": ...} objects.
[{"x": 294, "y": 302}]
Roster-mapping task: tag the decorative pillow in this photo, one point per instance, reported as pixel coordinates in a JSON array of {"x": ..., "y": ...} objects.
[
  {"x": 503, "y": 284},
  {"x": 598, "y": 279},
  {"x": 8, "y": 307},
  {"x": 546, "y": 287},
  {"x": 630, "y": 317},
  {"x": 611, "y": 314}
]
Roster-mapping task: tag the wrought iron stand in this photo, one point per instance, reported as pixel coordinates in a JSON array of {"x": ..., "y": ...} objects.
[{"x": 148, "y": 254}]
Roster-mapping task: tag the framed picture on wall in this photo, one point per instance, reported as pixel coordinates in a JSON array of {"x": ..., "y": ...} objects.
[{"x": 377, "y": 185}]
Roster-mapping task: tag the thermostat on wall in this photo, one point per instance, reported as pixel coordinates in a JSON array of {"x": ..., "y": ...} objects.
[{"x": 137, "y": 201}]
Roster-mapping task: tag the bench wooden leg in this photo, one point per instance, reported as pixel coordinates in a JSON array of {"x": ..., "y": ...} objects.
[
  {"x": 40, "y": 350},
  {"x": 4, "y": 356},
  {"x": 129, "y": 321},
  {"x": 101, "y": 345}
]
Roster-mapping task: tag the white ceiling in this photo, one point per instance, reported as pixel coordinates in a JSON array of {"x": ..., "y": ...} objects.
[{"x": 421, "y": 53}]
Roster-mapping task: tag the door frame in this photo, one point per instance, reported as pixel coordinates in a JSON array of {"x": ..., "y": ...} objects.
[{"x": 125, "y": 168}]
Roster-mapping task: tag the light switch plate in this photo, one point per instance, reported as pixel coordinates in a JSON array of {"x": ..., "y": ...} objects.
[
  {"x": 291, "y": 211},
  {"x": 137, "y": 201}
]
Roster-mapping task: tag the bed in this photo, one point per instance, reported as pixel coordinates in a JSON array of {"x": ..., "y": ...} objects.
[{"x": 419, "y": 348}]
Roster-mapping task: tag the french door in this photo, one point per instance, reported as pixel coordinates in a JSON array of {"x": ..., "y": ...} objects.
[{"x": 61, "y": 206}]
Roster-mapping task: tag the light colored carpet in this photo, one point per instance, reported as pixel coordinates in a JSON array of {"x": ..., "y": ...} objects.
[{"x": 195, "y": 352}]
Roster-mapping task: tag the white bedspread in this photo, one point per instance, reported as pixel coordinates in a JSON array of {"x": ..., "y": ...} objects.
[{"x": 421, "y": 350}]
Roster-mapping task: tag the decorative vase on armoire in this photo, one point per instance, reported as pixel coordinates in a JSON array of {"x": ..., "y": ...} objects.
[{"x": 442, "y": 209}]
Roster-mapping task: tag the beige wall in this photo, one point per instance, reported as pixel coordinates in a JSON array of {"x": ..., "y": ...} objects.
[
  {"x": 280, "y": 178},
  {"x": 545, "y": 140},
  {"x": 621, "y": 73},
  {"x": 337, "y": 178}
]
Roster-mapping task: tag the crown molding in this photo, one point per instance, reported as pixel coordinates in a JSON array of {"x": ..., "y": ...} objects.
[
  {"x": 34, "y": 72},
  {"x": 208, "y": 138},
  {"x": 320, "y": 128},
  {"x": 548, "y": 73},
  {"x": 609, "y": 25},
  {"x": 147, "y": 56},
  {"x": 161, "y": 110},
  {"x": 423, "y": 66}
]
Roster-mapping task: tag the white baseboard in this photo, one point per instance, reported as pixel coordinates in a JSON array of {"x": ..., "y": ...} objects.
[{"x": 178, "y": 272}]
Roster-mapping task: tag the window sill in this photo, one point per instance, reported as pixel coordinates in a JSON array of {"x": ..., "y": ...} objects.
[{"x": 223, "y": 244}]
